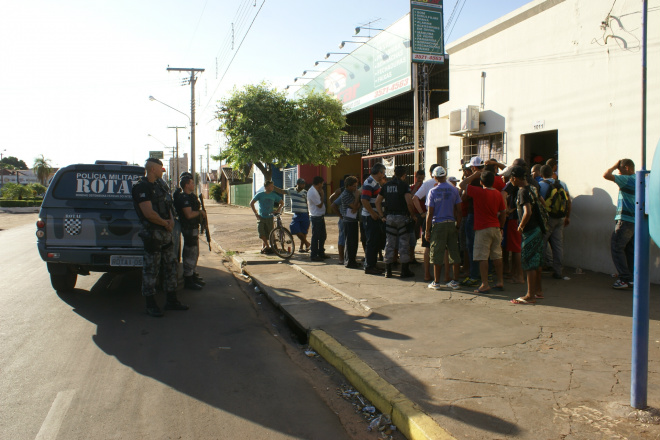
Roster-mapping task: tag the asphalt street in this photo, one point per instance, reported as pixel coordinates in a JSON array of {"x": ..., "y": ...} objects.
[{"x": 91, "y": 364}]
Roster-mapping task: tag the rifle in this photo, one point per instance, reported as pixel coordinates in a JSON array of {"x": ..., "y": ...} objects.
[{"x": 205, "y": 222}]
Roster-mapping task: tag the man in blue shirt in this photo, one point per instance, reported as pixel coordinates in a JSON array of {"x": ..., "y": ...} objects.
[
  {"x": 623, "y": 237},
  {"x": 266, "y": 200}
]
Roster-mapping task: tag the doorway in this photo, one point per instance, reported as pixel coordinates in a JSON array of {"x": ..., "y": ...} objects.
[{"x": 539, "y": 147}]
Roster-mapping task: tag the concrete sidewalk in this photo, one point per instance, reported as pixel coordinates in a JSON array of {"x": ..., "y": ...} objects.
[{"x": 454, "y": 363}]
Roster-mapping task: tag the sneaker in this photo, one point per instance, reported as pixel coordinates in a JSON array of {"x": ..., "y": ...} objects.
[
  {"x": 619, "y": 284},
  {"x": 453, "y": 284},
  {"x": 435, "y": 286},
  {"x": 470, "y": 282}
]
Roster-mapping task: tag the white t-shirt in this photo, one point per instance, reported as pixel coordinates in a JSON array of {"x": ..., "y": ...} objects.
[
  {"x": 423, "y": 190},
  {"x": 314, "y": 199}
]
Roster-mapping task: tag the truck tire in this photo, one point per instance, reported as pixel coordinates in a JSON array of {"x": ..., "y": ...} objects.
[{"x": 64, "y": 283}]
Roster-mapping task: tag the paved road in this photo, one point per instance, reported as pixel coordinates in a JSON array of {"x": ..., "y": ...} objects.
[{"x": 91, "y": 365}]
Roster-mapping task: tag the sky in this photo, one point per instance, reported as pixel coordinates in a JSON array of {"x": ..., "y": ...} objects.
[{"x": 76, "y": 75}]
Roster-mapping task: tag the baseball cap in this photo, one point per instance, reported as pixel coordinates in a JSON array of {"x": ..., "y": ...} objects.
[
  {"x": 439, "y": 172},
  {"x": 518, "y": 172},
  {"x": 476, "y": 162},
  {"x": 300, "y": 181},
  {"x": 452, "y": 179}
]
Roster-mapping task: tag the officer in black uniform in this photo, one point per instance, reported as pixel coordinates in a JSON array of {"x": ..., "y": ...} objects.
[
  {"x": 154, "y": 208},
  {"x": 190, "y": 214},
  {"x": 398, "y": 226}
]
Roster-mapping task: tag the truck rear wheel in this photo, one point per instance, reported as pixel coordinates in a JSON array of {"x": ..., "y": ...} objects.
[{"x": 64, "y": 282}]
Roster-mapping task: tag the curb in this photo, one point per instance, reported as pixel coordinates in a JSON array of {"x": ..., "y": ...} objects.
[
  {"x": 414, "y": 423},
  {"x": 367, "y": 310},
  {"x": 408, "y": 417}
]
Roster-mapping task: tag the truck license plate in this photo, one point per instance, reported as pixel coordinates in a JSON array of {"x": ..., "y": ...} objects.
[{"x": 126, "y": 260}]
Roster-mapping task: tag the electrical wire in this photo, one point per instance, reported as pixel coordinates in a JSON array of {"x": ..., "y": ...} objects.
[{"x": 235, "y": 53}]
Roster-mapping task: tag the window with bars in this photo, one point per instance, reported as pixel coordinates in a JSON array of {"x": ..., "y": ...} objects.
[{"x": 490, "y": 146}]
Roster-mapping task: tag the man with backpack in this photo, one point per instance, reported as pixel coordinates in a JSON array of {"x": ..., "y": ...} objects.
[{"x": 558, "y": 204}]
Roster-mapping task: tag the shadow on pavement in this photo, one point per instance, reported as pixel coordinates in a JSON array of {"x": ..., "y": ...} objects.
[{"x": 218, "y": 352}]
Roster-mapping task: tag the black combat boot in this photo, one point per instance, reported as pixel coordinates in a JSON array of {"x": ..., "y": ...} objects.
[
  {"x": 173, "y": 303},
  {"x": 198, "y": 280},
  {"x": 405, "y": 271},
  {"x": 190, "y": 283},
  {"x": 388, "y": 271},
  {"x": 152, "y": 308}
]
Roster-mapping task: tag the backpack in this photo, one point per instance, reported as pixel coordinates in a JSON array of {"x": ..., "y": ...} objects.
[{"x": 556, "y": 202}]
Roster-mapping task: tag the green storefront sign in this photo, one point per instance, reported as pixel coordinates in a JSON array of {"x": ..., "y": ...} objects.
[
  {"x": 427, "y": 31},
  {"x": 156, "y": 154},
  {"x": 378, "y": 70}
]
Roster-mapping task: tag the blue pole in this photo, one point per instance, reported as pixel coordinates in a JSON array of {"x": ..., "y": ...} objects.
[{"x": 640, "y": 334}]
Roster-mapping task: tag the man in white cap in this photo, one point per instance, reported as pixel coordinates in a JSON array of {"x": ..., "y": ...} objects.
[
  {"x": 472, "y": 280},
  {"x": 442, "y": 224}
]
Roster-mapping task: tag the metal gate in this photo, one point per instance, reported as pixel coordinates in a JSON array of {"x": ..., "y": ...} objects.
[{"x": 290, "y": 179}]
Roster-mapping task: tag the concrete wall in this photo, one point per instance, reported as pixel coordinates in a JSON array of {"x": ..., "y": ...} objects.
[{"x": 549, "y": 62}]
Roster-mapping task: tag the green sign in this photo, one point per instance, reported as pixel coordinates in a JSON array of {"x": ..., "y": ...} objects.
[
  {"x": 156, "y": 154},
  {"x": 427, "y": 31},
  {"x": 377, "y": 70}
]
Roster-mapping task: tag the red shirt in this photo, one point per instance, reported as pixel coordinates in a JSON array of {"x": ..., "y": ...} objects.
[
  {"x": 487, "y": 205},
  {"x": 498, "y": 183}
]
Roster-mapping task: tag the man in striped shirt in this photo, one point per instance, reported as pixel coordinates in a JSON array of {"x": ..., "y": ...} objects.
[
  {"x": 623, "y": 237},
  {"x": 370, "y": 218},
  {"x": 300, "y": 221}
]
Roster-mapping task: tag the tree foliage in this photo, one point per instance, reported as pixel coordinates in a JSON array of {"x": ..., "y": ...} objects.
[
  {"x": 42, "y": 168},
  {"x": 14, "y": 162},
  {"x": 16, "y": 191},
  {"x": 268, "y": 130}
]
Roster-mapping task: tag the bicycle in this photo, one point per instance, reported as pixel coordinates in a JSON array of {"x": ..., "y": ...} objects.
[{"x": 281, "y": 240}]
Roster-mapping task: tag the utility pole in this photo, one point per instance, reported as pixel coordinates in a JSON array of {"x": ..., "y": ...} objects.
[
  {"x": 208, "y": 167},
  {"x": 192, "y": 80},
  {"x": 177, "y": 150},
  {"x": 200, "y": 168}
]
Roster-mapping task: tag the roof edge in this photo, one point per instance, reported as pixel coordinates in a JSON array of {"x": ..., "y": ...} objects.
[{"x": 511, "y": 19}]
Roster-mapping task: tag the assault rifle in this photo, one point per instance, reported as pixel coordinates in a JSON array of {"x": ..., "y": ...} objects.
[{"x": 205, "y": 222}]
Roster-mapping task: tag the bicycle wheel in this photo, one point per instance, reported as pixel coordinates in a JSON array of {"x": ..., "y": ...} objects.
[{"x": 281, "y": 242}]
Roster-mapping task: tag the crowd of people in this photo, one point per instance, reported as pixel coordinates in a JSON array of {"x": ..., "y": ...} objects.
[
  {"x": 493, "y": 223},
  {"x": 497, "y": 221}
]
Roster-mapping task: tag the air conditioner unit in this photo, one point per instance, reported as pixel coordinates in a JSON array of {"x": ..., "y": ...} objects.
[{"x": 464, "y": 120}]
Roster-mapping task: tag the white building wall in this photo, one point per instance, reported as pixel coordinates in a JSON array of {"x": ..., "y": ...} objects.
[{"x": 548, "y": 61}]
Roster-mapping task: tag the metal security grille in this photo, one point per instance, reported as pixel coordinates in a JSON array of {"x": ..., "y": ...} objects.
[
  {"x": 406, "y": 159},
  {"x": 290, "y": 178},
  {"x": 490, "y": 146}
]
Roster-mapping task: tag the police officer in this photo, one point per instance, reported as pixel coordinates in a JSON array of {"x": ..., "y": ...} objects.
[
  {"x": 154, "y": 209},
  {"x": 399, "y": 208},
  {"x": 190, "y": 214}
]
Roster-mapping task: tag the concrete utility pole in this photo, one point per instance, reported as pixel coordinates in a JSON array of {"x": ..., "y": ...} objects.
[
  {"x": 192, "y": 80},
  {"x": 208, "y": 167},
  {"x": 177, "y": 150}
]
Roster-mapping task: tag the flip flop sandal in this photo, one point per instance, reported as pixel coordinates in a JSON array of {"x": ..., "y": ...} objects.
[
  {"x": 539, "y": 297},
  {"x": 521, "y": 301},
  {"x": 483, "y": 292},
  {"x": 500, "y": 288}
]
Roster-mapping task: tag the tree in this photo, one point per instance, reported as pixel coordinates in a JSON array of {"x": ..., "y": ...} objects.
[
  {"x": 42, "y": 168},
  {"x": 14, "y": 162},
  {"x": 15, "y": 191},
  {"x": 266, "y": 129},
  {"x": 37, "y": 189}
]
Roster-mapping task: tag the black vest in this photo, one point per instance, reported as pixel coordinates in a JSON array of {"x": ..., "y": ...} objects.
[{"x": 394, "y": 192}]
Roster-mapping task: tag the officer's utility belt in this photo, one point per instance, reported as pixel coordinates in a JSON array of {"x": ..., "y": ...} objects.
[
  {"x": 403, "y": 229},
  {"x": 445, "y": 221},
  {"x": 155, "y": 240}
]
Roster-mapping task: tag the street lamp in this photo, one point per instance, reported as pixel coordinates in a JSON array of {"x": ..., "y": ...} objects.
[
  {"x": 343, "y": 43},
  {"x": 327, "y": 55},
  {"x": 359, "y": 28},
  {"x": 151, "y": 98}
]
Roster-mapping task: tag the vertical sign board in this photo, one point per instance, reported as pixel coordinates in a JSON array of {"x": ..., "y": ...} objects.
[{"x": 426, "y": 30}]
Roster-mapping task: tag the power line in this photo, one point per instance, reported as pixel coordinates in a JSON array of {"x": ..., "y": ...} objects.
[{"x": 235, "y": 53}]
